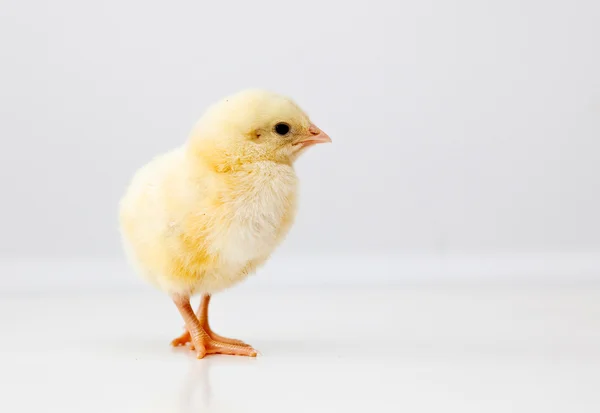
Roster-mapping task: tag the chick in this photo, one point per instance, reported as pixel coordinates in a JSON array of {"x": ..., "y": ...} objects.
[{"x": 204, "y": 216}]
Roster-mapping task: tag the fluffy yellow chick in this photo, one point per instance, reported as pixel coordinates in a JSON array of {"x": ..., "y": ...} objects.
[{"x": 202, "y": 217}]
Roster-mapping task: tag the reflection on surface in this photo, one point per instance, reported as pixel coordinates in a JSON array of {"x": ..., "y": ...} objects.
[{"x": 196, "y": 392}]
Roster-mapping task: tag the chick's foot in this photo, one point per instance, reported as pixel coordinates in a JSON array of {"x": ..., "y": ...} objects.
[
  {"x": 186, "y": 339},
  {"x": 205, "y": 345},
  {"x": 202, "y": 315},
  {"x": 199, "y": 335}
]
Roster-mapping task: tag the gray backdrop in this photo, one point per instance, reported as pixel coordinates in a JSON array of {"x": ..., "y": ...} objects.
[{"x": 465, "y": 126}]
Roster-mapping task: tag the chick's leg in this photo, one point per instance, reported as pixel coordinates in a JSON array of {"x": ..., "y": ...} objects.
[
  {"x": 202, "y": 341},
  {"x": 203, "y": 318},
  {"x": 202, "y": 315}
]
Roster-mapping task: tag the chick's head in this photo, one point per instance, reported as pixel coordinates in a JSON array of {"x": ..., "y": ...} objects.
[{"x": 254, "y": 126}]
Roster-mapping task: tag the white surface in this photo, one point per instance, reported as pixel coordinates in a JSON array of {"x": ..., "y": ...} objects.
[
  {"x": 323, "y": 350},
  {"x": 456, "y": 125}
]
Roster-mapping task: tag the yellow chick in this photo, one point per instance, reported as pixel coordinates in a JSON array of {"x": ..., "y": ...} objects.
[{"x": 202, "y": 217}]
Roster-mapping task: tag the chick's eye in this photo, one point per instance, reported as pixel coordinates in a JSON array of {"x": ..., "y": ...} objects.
[{"x": 282, "y": 128}]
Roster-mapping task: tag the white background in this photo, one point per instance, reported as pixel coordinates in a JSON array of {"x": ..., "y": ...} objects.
[
  {"x": 453, "y": 226},
  {"x": 466, "y": 134}
]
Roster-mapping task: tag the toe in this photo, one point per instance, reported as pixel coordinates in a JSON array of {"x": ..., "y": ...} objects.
[
  {"x": 216, "y": 347},
  {"x": 226, "y": 340},
  {"x": 181, "y": 340},
  {"x": 200, "y": 354}
]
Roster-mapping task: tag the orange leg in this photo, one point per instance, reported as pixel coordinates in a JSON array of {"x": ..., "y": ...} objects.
[{"x": 201, "y": 337}]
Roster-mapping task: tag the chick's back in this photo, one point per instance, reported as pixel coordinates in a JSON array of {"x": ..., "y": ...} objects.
[{"x": 149, "y": 213}]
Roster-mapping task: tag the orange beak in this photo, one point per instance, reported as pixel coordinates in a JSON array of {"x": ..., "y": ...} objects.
[{"x": 316, "y": 136}]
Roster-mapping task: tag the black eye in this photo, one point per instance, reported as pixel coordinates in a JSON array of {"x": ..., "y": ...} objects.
[{"x": 282, "y": 128}]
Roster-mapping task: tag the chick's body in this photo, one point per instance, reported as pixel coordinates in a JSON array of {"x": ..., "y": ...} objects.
[
  {"x": 202, "y": 217},
  {"x": 189, "y": 229}
]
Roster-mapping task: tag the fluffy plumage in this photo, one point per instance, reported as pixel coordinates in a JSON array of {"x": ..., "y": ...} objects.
[{"x": 203, "y": 216}]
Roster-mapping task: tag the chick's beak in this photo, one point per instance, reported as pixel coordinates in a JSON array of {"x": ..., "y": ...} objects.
[{"x": 314, "y": 137}]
